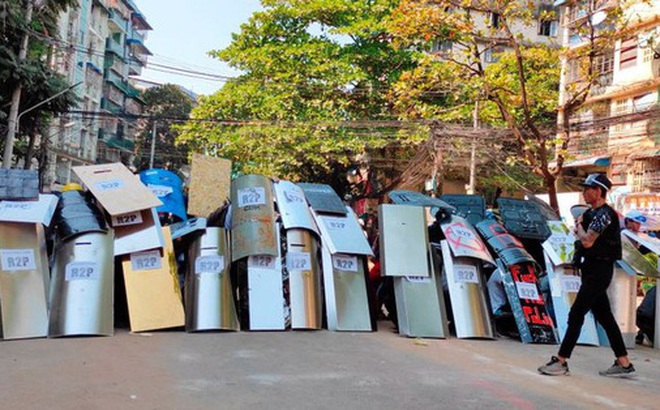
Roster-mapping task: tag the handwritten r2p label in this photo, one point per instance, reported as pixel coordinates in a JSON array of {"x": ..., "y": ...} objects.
[
  {"x": 15, "y": 260},
  {"x": 298, "y": 261},
  {"x": 81, "y": 271},
  {"x": 418, "y": 279},
  {"x": 149, "y": 260},
  {"x": 336, "y": 224},
  {"x": 160, "y": 190},
  {"x": 251, "y": 196},
  {"x": 294, "y": 197},
  {"x": 16, "y": 206},
  {"x": 527, "y": 291},
  {"x": 109, "y": 185},
  {"x": 134, "y": 218},
  {"x": 211, "y": 264},
  {"x": 570, "y": 283},
  {"x": 346, "y": 263},
  {"x": 261, "y": 261},
  {"x": 465, "y": 274}
]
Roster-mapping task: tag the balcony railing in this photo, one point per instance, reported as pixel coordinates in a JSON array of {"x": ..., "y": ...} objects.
[
  {"x": 117, "y": 20},
  {"x": 114, "y": 47}
]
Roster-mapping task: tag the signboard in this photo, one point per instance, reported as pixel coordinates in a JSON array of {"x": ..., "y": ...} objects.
[
  {"x": 560, "y": 245},
  {"x": 210, "y": 181},
  {"x": 464, "y": 240},
  {"x": 116, "y": 188}
]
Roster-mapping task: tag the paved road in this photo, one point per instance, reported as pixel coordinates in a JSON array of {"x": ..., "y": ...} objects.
[{"x": 310, "y": 370}]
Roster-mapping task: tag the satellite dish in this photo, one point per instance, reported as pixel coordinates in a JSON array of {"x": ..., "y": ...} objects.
[{"x": 598, "y": 17}]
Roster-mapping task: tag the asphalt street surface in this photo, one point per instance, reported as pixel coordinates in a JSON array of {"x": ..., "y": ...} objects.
[{"x": 311, "y": 370}]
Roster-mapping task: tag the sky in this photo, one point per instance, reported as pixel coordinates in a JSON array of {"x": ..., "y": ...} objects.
[{"x": 185, "y": 31}]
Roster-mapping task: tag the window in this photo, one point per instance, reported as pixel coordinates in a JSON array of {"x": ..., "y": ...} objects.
[
  {"x": 441, "y": 46},
  {"x": 604, "y": 64},
  {"x": 548, "y": 28},
  {"x": 572, "y": 70},
  {"x": 494, "y": 20},
  {"x": 643, "y": 102},
  {"x": 628, "y": 53},
  {"x": 491, "y": 54}
]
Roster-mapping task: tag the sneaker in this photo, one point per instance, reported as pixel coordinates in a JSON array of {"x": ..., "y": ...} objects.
[
  {"x": 554, "y": 367},
  {"x": 618, "y": 371}
]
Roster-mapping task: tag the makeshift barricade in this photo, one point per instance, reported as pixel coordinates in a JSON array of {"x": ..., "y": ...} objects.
[
  {"x": 518, "y": 270},
  {"x": 405, "y": 254}
]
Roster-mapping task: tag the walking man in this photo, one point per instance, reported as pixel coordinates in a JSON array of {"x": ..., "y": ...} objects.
[{"x": 599, "y": 245}]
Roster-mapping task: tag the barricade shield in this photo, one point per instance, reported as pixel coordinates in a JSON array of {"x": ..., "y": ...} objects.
[
  {"x": 302, "y": 264},
  {"x": 420, "y": 305},
  {"x": 565, "y": 282},
  {"x": 24, "y": 280},
  {"x": 82, "y": 286},
  {"x": 209, "y": 301},
  {"x": 152, "y": 288},
  {"x": 467, "y": 295},
  {"x": 252, "y": 221},
  {"x": 344, "y": 248}
]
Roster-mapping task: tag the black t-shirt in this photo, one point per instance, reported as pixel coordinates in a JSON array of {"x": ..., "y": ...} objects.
[{"x": 604, "y": 221}]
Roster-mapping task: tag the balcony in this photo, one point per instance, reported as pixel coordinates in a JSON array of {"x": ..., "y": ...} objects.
[
  {"x": 117, "y": 22},
  {"x": 112, "y": 46},
  {"x": 110, "y": 106},
  {"x": 138, "y": 47}
]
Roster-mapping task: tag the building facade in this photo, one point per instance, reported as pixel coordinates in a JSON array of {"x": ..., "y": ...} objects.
[
  {"x": 101, "y": 46},
  {"x": 617, "y": 130}
]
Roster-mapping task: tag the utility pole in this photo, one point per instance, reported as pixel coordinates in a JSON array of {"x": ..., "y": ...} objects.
[
  {"x": 16, "y": 95},
  {"x": 153, "y": 146},
  {"x": 473, "y": 154}
]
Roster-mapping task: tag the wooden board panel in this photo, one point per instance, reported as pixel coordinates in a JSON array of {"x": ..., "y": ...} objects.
[
  {"x": 117, "y": 188},
  {"x": 210, "y": 180}
]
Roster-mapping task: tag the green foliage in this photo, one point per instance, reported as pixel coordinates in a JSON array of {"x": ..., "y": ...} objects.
[
  {"x": 39, "y": 82},
  {"x": 311, "y": 69},
  {"x": 163, "y": 104}
]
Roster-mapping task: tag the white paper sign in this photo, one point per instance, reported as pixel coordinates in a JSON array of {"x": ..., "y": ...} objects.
[
  {"x": 570, "y": 283},
  {"x": 418, "y": 279},
  {"x": 527, "y": 291},
  {"x": 109, "y": 185},
  {"x": 14, "y": 260},
  {"x": 298, "y": 261},
  {"x": 261, "y": 261},
  {"x": 133, "y": 218},
  {"x": 465, "y": 274},
  {"x": 213, "y": 264},
  {"x": 251, "y": 196},
  {"x": 346, "y": 263},
  {"x": 148, "y": 260},
  {"x": 336, "y": 224},
  {"x": 81, "y": 271},
  {"x": 160, "y": 190}
]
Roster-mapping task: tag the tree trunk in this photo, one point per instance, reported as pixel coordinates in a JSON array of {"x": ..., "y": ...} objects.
[{"x": 552, "y": 192}]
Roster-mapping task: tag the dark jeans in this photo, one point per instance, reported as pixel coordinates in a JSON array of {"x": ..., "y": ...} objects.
[{"x": 596, "y": 277}]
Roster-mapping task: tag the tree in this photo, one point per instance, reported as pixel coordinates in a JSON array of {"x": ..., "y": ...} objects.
[
  {"x": 37, "y": 80},
  {"x": 521, "y": 89},
  {"x": 313, "y": 93},
  {"x": 164, "y": 105}
]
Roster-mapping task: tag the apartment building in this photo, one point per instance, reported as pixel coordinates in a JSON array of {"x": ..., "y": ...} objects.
[
  {"x": 543, "y": 30},
  {"x": 618, "y": 129},
  {"x": 101, "y": 44}
]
